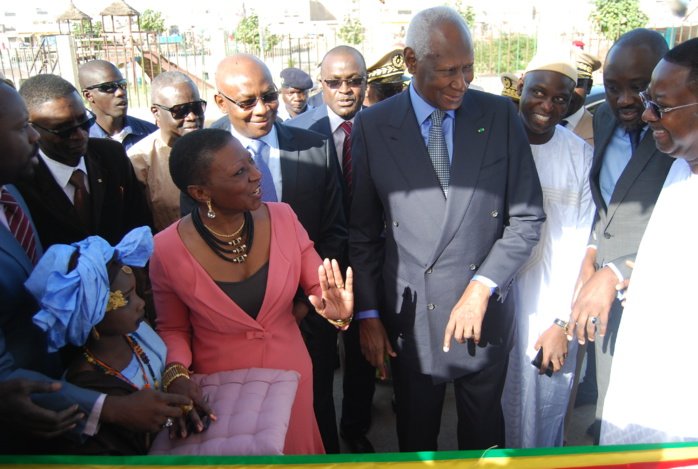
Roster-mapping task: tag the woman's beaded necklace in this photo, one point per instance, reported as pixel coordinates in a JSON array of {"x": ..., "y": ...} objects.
[
  {"x": 141, "y": 356},
  {"x": 240, "y": 252}
]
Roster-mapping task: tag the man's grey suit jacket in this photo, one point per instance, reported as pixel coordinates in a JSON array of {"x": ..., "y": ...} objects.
[
  {"x": 432, "y": 247},
  {"x": 619, "y": 227}
]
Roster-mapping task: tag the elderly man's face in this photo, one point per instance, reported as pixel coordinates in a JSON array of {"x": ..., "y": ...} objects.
[
  {"x": 255, "y": 84},
  {"x": 442, "y": 78},
  {"x": 62, "y": 114},
  {"x": 18, "y": 140},
  {"x": 343, "y": 83},
  {"x": 675, "y": 133},
  {"x": 627, "y": 71},
  {"x": 172, "y": 127}
]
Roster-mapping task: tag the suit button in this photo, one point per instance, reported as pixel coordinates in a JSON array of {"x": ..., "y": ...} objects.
[
  {"x": 472, "y": 266},
  {"x": 430, "y": 270},
  {"x": 430, "y": 306},
  {"x": 494, "y": 214},
  {"x": 395, "y": 223},
  {"x": 607, "y": 235}
]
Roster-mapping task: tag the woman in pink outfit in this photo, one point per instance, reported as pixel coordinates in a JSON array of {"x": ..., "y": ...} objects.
[{"x": 225, "y": 276}]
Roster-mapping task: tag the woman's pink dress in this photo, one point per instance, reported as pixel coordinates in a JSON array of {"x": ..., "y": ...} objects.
[{"x": 203, "y": 327}]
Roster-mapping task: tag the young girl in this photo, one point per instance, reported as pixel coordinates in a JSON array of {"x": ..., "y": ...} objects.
[{"x": 88, "y": 299}]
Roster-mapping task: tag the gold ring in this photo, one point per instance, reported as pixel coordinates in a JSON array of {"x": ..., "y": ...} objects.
[
  {"x": 340, "y": 286},
  {"x": 187, "y": 408}
]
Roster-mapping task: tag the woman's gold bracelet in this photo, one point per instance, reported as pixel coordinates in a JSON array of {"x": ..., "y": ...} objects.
[
  {"x": 173, "y": 372},
  {"x": 341, "y": 322}
]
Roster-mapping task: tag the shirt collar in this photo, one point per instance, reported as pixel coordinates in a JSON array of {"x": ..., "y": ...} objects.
[
  {"x": 336, "y": 121},
  {"x": 422, "y": 109},
  {"x": 270, "y": 139},
  {"x": 574, "y": 119},
  {"x": 61, "y": 172}
]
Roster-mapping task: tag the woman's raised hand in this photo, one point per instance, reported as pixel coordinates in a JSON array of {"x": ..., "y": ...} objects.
[{"x": 337, "y": 302}]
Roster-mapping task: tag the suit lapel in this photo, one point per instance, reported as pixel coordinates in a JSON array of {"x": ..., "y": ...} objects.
[
  {"x": 10, "y": 245},
  {"x": 412, "y": 160},
  {"x": 95, "y": 175},
  {"x": 288, "y": 154},
  {"x": 604, "y": 131},
  {"x": 637, "y": 163},
  {"x": 54, "y": 198}
]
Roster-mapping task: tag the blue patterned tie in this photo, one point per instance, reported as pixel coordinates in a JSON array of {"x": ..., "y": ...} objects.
[
  {"x": 268, "y": 189},
  {"x": 438, "y": 152}
]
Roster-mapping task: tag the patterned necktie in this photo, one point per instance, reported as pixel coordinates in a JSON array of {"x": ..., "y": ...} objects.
[
  {"x": 634, "y": 138},
  {"x": 19, "y": 225},
  {"x": 438, "y": 152},
  {"x": 268, "y": 189},
  {"x": 81, "y": 198},
  {"x": 346, "y": 156}
]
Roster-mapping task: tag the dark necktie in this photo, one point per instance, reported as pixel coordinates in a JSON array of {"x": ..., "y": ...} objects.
[
  {"x": 81, "y": 198},
  {"x": 19, "y": 225},
  {"x": 438, "y": 152},
  {"x": 634, "y": 138},
  {"x": 268, "y": 189},
  {"x": 346, "y": 156}
]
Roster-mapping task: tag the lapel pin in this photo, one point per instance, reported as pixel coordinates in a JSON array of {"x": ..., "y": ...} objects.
[
  {"x": 99, "y": 181},
  {"x": 480, "y": 130}
]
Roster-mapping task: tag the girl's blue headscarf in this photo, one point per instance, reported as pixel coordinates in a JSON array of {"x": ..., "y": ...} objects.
[{"x": 73, "y": 302}]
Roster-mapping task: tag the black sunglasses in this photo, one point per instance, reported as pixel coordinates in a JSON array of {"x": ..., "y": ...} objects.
[
  {"x": 69, "y": 132},
  {"x": 109, "y": 87},
  {"x": 180, "y": 111},
  {"x": 334, "y": 83},
  {"x": 267, "y": 98}
]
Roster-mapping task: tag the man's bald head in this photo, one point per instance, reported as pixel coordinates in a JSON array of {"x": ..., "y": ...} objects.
[
  {"x": 95, "y": 72},
  {"x": 244, "y": 78}
]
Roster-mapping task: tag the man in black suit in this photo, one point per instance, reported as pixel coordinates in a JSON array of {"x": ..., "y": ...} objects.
[
  {"x": 297, "y": 168},
  {"x": 82, "y": 186}
]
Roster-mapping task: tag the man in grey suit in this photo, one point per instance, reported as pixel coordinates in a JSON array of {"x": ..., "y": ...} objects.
[
  {"x": 447, "y": 207},
  {"x": 300, "y": 170},
  {"x": 626, "y": 177}
]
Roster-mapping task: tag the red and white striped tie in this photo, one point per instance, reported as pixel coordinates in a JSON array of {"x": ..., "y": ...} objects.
[
  {"x": 346, "y": 156},
  {"x": 19, "y": 225}
]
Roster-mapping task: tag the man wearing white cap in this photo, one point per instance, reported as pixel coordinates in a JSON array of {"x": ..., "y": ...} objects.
[{"x": 534, "y": 405}]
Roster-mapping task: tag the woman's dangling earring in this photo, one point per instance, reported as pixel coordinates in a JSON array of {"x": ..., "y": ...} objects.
[{"x": 211, "y": 213}]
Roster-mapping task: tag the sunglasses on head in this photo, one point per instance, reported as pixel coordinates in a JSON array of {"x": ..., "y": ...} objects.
[
  {"x": 658, "y": 110},
  {"x": 267, "y": 98},
  {"x": 109, "y": 87},
  {"x": 180, "y": 111},
  {"x": 335, "y": 83},
  {"x": 69, "y": 132}
]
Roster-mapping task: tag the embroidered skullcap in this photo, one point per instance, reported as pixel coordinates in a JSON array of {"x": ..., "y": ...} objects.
[{"x": 72, "y": 302}]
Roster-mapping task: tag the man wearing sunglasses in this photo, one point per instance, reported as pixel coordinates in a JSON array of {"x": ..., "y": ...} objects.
[
  {"x": 106, "y": 91},
  {"x": 661, "y": 306},
  {"x": 300, "y": 170},
  {"x": 626, "y": 177},
  {"x": 82, "y": 186},
  {"x": 178, "y": 110}
]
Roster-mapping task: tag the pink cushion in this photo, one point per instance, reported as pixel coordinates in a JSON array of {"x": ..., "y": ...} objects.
[{"x": 253, "y": 407}]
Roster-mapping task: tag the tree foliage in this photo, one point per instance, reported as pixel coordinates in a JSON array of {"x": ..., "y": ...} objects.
[
  {"x": 152, "y": 21},
  {"x": 87, "y": 28},
  {"x": 613, "y": 18},
  {"x": 352, "y": 31},
  {"x": 247, "y": 32}
]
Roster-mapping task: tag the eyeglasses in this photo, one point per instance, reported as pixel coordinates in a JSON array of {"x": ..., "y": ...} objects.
[
  {"x": 109, "y": 87},
  {"x": 69, "y": 132},
  {"x": 334, "y": 83},
  {"x": 658, "y": 110},
  {"x": 248, "y": 104},
  {"x": 180, "y": 111}
]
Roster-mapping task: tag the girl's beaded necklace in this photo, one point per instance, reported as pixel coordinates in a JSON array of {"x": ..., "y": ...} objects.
[{"x": 141, "y": 356}]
